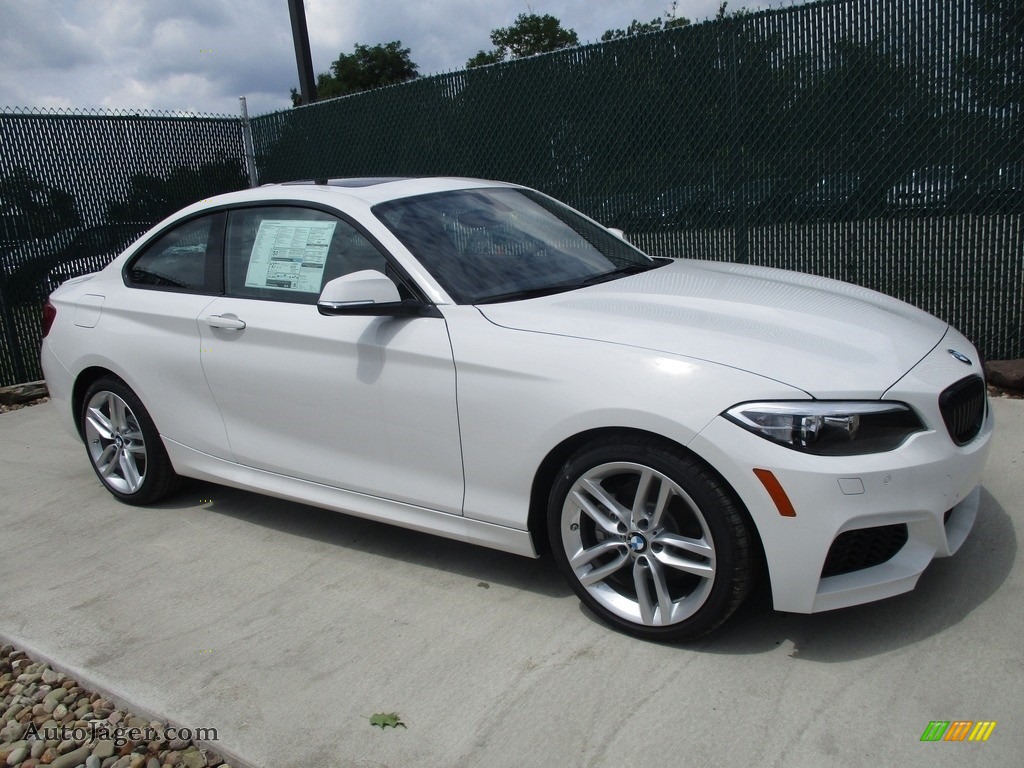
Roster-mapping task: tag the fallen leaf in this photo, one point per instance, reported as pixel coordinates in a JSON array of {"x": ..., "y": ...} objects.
[{"x": 386, "y": 719}]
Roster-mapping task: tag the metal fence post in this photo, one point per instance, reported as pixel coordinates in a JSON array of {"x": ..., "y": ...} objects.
[
  {"x": 738, "y": 149},
  {"x": 250, "y": 154}
]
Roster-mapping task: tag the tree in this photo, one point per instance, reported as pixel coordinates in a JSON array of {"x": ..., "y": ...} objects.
[
  {"x": 482, "y": 58},
  {"x": 528, "y": 35},
  {"x": 671, "y": 20},
  {"x": 724, "y": 14},
  {"x": 365, "y": 68}
]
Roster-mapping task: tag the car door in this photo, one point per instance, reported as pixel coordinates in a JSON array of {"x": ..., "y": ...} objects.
[
  {"x": 171, "y": 280},
  {"x": 366, "y": 404}
]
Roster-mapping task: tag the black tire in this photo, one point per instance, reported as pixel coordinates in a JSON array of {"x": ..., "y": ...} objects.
[
  {"x": 626, "y": 561},
  {"x": 123, "y": 444}
]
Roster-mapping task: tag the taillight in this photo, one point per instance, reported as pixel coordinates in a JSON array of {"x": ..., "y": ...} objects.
[{"x": 49, "y": 315}]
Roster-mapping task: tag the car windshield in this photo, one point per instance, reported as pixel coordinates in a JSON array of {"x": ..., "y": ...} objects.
[{"x": 491, "y": 245}]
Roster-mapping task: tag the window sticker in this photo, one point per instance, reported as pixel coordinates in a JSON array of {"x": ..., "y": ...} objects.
[{"x": 290, "y": 255}]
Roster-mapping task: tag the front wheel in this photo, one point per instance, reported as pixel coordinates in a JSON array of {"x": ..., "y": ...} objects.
[
  {"x": 650, "y": 539},
  {"x": 123, "y": 444}
]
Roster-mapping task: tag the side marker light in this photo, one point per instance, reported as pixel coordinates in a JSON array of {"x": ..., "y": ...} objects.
[{"x": 775, "y": 490}]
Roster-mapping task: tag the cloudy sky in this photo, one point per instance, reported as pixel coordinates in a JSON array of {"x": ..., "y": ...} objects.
[{"x": 201, "y": 55}]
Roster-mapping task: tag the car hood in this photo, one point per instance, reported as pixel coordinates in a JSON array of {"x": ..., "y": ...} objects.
[{"x": 828, "y": 338}]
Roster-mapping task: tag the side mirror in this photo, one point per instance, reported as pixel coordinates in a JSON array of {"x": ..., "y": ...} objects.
[{"x": 369, "y": 293}]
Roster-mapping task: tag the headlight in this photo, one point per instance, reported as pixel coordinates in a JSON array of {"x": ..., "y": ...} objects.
[{"x": 829, "y": 428}]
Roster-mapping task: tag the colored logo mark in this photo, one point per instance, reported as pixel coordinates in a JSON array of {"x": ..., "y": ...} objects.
[{"x": 958, "y": 730}]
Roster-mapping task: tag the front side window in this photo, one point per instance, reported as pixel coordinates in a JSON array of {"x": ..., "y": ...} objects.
[
  {"x": 287, "y": 253},
  {"x": 488, "y": 245},
  {"x": 186, "y": 257}
]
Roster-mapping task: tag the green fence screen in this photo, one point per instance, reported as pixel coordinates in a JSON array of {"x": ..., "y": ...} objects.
[
  {"x": 77, "y": 188},
  {"x": 875, "y": 141}
]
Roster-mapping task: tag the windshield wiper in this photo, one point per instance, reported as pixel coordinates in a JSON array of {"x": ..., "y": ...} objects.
[
  {"x": 529, "y": 293},
  {"x": 631, "y": 269},
  {"x": 547, "y": 290}
]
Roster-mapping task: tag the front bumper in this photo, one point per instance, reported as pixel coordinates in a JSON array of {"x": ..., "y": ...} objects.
[{"x": 928, "y": 484}]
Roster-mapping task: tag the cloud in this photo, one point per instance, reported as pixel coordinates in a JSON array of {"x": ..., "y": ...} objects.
[
  {"x": 36, "y": 39},
  {"x": 202, "y": 55}
]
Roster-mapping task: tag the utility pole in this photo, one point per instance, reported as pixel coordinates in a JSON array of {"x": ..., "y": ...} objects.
[{"x": 303, "y": 58}]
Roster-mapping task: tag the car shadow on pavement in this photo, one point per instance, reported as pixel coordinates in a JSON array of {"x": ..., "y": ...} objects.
[
  {"x": 947, "y": 592},
  {"x": 379, "y": 539}
]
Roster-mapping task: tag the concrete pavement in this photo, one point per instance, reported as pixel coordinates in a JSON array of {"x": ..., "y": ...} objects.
[{"x": 285, "y": 627}]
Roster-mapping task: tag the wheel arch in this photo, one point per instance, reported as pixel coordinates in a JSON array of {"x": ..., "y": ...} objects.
[{"x": 546, "y": 472}]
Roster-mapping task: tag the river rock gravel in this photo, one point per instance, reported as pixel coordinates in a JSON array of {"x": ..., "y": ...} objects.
[{"x": 47, "y": 718}]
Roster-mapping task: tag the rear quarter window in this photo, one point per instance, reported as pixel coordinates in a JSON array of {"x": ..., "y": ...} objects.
[{"x": 186, "y": 257}]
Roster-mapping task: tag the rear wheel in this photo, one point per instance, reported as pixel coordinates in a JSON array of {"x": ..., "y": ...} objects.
[
  {"x": 650, "y": 539},
  {"x": 124, "y": 446}
]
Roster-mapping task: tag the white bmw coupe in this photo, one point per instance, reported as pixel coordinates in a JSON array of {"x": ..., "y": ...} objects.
[{"x": 476, "y": 360}]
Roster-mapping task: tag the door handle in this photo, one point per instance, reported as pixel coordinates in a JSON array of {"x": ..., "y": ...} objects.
[{"x": 225, "y": 322}]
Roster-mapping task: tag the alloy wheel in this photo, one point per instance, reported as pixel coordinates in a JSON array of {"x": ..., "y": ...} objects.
[
  {"x": 115, "y": 441},
  {"x": 638, "y": 544}
]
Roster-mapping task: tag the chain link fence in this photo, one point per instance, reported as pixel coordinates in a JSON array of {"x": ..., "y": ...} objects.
[
  {"x": 875, "y": 141},
  {"x": 76, "y": 188}
]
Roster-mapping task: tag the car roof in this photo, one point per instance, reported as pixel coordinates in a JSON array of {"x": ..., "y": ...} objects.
[
  {"x": 344, "y": 194},
  {"x": 368, "y": 190}
]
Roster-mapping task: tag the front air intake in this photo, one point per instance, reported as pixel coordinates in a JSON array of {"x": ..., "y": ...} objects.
[{"x": 864, "y": 548}]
